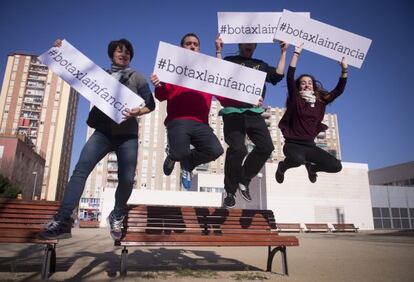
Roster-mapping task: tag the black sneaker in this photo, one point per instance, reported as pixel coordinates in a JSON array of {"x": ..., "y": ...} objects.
[
  {"x": 244, "y": 191},
  {"x": 116, "y": 225},
  {"x": 168, "y": 166},
  {"x": 279, "y": 175},
  {"x": 229, "y": 200},
  {"x": 56, "y": 229},
  {"x": 311, "y": 174}
]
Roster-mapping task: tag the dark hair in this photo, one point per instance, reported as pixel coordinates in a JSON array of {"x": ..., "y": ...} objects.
[
  {"x": 188, "y": 35},
  {"x": 320, "y": 92},
  {"x": 119, "y": 43}
]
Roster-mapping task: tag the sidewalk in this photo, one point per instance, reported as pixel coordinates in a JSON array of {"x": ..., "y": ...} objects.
[{"x": 91, "y": 256}]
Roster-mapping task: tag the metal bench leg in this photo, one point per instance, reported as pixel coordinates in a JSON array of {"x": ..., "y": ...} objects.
[
  {"x": 270, "y": 255},
  {"x": 49, "y": 261},
  {"x": 124, "y": 261}
]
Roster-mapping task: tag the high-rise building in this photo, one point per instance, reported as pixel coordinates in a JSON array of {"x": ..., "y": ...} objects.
[
  {"x": 153, "y": 140},
  {"x": 38, "y": 104}
]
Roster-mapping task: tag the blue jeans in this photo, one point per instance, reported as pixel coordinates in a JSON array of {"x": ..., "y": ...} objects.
[{"x": 97, "y": 147}]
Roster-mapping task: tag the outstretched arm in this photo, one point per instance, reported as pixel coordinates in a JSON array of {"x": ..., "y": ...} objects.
[
  {"x": 296, "y": 55},
  {"x": 340, "y": 86},
  {"x": 344, "y": 68},
  {"x": 282, "y": 61}
]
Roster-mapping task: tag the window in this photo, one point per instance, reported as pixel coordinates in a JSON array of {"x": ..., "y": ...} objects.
[
  {"x": 376, "y": 212},
  {"x": 385, "y": 212},
  {"x": 395, "y": 212}
]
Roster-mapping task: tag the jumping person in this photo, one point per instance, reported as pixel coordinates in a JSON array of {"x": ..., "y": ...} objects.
[
  {"x": 302, "y": 122},
  {"x": 187, "y": 123},
  {"x": 108, "y": 136},
  {"x": 241, "y": 119}
]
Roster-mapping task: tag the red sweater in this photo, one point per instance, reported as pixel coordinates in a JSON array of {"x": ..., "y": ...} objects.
[{"x": 184, "y": 103}]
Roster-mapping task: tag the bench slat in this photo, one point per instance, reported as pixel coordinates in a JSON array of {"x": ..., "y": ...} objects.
[
  {"x": 27, "y": 240},
  {"x": 20, "y": 225},
  {"x": 200, "y": 211},
  {"x": 207, "y": 244},
  {"x": 197, "y": 231},
  {"x": 258, "y": 240},
  {"x": 7, "y": 210},
  {"x": 344, "y": 227},
  {"x": 225, "y": 225}
]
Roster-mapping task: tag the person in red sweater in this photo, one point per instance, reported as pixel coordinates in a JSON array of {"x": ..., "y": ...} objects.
[
  {"x": 302, "y": 122},
  {"x": 187, "y": 123}
]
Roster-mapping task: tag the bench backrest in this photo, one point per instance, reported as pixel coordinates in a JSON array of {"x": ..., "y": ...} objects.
[
  {"x": 203, "y": 221},
  {"x": 342, "y": 226},
  {"x": 21, "y": 220},
  {"x": 288, "y": 225},
  {"x": 317, "y": 226}
]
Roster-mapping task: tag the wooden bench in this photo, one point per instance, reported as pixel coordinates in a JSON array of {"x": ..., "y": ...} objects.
[
  {"x": 148, "y": 226},
  {"x": 88, "y": 224},
  {"x": 344, "y": 227},
  {"x": 20, "y": 221},
  {"x": 289, "y": 227},
  {"x": 317, "y": 227}
]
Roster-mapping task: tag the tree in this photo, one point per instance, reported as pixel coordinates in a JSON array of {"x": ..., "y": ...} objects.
[{"x": 8, "y": 189}]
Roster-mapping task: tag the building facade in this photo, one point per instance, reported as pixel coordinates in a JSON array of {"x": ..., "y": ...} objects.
[
  {"x": 36, "y": 103},
  {"x": 392, "y": 192},
  {"x": 22, "y": 165}
]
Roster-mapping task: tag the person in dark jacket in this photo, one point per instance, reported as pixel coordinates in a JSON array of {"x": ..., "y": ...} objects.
[
  {"x": 302, "y": 122},
  {"x": 241, "y": 119},
  {"x": 108, "y": 136}
]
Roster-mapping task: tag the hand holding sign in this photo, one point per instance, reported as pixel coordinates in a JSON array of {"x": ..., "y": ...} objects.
[
  {"x": 90, "y": 80},
  {"x": 197, "y": 71},
  {"x": 322, "y": 39}
]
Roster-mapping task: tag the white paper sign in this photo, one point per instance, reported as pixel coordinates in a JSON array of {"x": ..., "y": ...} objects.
[
  {"x": 183, "y": 67},
  {"x": 322, "y": 38},
  {"x": 95, "y": 84},
  {"x": 235, "y": 27}
]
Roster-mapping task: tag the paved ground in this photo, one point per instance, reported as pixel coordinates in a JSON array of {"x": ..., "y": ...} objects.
[{"x": 90, "y": 256}]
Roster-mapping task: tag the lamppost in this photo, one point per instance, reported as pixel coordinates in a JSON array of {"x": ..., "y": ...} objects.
[
  {"x": 34, "y": 185},
  {"x": 260, "y": 175}
]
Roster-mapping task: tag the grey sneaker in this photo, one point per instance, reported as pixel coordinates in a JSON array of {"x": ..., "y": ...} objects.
[
  {"x": 244, "y": 191},
  {"x": 56, "y": 229},
  {"x": 116, "y": 225},
  {"x": 229, "y": 200}
]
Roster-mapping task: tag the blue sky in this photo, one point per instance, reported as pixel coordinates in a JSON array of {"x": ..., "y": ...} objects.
[{"x": 375, "y": 113}]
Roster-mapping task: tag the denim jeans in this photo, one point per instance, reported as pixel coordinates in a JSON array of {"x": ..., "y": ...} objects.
[{"x": 98, "y": 145}]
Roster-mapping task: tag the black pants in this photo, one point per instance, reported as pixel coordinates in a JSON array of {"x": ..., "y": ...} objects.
[
  {"x": 236, "y": 127},
  {"x": 301, "y": 152},
  {"x": 182, "y": 132}
]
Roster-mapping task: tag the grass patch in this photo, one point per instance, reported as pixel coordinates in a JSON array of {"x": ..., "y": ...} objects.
[
  {"x": 249, "y": 276},
  {"x": 153, "y": 275},
  {"x": 185, "y": 272}
]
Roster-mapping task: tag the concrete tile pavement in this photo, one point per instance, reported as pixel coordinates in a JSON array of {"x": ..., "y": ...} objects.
[{"x": 91, "y": 256}]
